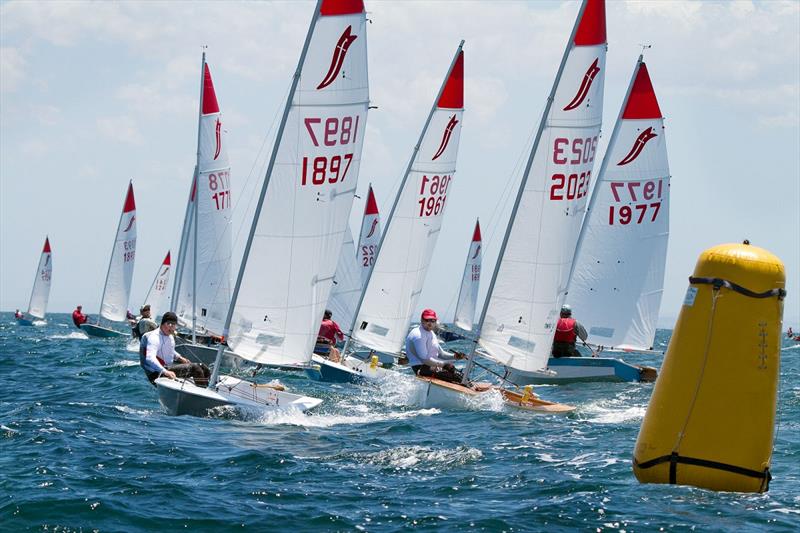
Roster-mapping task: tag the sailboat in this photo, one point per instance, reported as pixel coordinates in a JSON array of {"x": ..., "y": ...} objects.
[
  {"x": 117, "y": 290},
  {"x": 157, "y": 293},
  {"x": 529, "y": 282},
  {"x": 468, "y": 292},
  {"x": 300, "y": 220},
  {"x": 201, "y": 294},
  {"x": 618, "y": 276},
  {"x": 395, "y": 282},
  {"x": 355, "y": 263},
  {"x": 40, "y": 294}
]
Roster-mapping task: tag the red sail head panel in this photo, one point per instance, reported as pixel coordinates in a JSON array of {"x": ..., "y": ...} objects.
[
  {"x": 642, "y": 102},
  {"x": 341, "y": 7},
  {"x": 210, "y": 104},
  {"x": 592, "y": 27},
  {"x": 453, "y": 93},
  {"x": 372, "y": 206},
  {"x": 130, "y": 204}
]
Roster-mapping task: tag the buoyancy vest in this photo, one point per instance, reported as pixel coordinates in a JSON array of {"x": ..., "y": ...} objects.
[{"x": 565, "y": 330}]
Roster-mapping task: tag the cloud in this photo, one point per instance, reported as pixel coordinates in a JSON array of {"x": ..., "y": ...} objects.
[
  {"x": 12, "y": 69},
  {"x": 122, "y": 129}
]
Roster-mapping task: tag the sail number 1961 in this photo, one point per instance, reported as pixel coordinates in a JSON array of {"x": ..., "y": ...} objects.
[{"x": 329, "y": 132}]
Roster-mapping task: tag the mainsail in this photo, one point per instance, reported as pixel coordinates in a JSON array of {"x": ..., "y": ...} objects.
[
  {"x": 40, "y": 294},
  {"x": 355, "y": 263},
  {"x": 302, "y": 214},
  {"x": 207, "y": 248},
  {"x": 117, "y": 290},
  {"x": 618, "y": 275},
  {"x": 470, "y": 282},
  {"x": 390, "y": 297},
  {"x": 530, "y": 279},
  {"x": 157, "y": 293}
]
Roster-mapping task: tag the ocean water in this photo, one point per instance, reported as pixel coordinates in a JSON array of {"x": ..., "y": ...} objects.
[{"x": 84, "y": 445}]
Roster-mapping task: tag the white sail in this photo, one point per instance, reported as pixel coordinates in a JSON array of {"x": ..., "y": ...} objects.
[
  {"x": 390, "y": 297},
  {"x": 618, "y": 277},
  {"x": 40, "y": 294},
  {"x": 117, "y": 291},
  {"x": 355, "y": 263},
  {"x": 302, "y": 216},
  {"x": 206, "y": 238},
  {"x": 470, "y": 281},
  {"x": 530, "y": 280},
  {"x": 156, "y": 295}
]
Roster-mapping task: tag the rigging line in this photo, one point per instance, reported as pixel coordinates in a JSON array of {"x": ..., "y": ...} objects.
[{"x": 715, "y": 294}]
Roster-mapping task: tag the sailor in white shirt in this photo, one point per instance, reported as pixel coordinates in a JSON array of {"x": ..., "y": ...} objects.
[
  {"x": 426, "y": 356},
  {"x": 157, "y": 355}
]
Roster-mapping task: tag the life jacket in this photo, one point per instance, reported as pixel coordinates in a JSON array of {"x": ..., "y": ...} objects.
[{"x": 565, "y": 330}]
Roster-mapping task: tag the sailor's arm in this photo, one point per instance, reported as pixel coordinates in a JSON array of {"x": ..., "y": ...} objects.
[{"x": 580, "y": 331}]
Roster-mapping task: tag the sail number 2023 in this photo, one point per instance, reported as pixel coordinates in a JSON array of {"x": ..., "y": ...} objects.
[
  {"x": 331, "y": 131},
  {"x": 580, "y": 151}
]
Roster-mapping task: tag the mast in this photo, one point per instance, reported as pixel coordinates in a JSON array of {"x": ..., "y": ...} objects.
[
  {"x": 399, "y": 194},
  {"x": 176, "y": 289},
  {"x": 603, "y": 166},
  {"x": 278, "y": 139},
  {"x": 520, "y": 192},
  {"x": 196, "y": 202}
]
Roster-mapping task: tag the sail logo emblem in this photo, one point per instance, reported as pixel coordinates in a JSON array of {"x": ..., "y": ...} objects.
[
  {"x": 130, "y": 224},
  {"x": 448, "y": 132},
  {"x": 372, "y": 229},
  {"x": 166, "y": 269},
  {"x": 218, "y": 129},
  {"x": 339, "y": 52},
  {"x": 586, "y": 84},
  {"x": 47, "y": 261},
  {"x": 477, "y": 251},
  {"x": 638, "y": 146}
]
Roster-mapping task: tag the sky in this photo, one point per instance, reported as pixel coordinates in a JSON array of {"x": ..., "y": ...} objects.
[{"x": 95, "y": 94}]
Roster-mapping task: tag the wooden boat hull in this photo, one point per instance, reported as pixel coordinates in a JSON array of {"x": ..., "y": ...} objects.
[
  {"x": 572, "y": 369},
  {"x": 534, "y": 403},
  {"x": 93, "y": 330},
  {"x": 182, "y": 397}
]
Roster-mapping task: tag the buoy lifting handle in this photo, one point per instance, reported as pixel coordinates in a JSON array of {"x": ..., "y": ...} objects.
[{"x": 718, "y": 283}]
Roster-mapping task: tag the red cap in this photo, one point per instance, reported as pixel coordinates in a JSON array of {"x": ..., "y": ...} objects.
[{"x": 428, "y": 314}]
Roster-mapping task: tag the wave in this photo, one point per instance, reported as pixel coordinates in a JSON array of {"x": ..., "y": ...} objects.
[{"x": 72, "y": 335}]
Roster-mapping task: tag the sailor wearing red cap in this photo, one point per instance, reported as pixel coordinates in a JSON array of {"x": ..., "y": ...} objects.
[{"x": 426, "y": 357}]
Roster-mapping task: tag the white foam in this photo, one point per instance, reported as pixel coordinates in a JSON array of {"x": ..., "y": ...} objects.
[
  {"x": 613, "y": 411},
  {"x": 131, "y": 411},
  {"x": 420, "y": 457},
  {"x": 325, "y": 420},
  {"x": 125, "y": 363},
  {"x": 72, "y": 335}
]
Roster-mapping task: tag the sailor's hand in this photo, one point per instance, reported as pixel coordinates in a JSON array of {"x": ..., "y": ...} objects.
[
  {"x": 460, "y": 355},
  {"x": 169, "y": 374}
]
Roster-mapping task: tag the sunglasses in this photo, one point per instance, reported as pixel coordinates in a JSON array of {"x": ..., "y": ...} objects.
[{"x": 429, "y": 320}]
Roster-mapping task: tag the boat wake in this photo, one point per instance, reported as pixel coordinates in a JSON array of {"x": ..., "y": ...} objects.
[
  {"x": 612, "y": 412},
  {"x": 72, "y": 335},
  {"x": 418, "y": 458},
  {"x": 362, "y": 415}
]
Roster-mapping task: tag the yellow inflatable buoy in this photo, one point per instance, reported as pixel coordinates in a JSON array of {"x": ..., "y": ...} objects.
[{"x": 711, "y": 419}]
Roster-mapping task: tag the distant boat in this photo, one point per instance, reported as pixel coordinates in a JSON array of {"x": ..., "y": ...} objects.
[
  {"x": 529, "y": 282},
  {"x": 202, "y": 288},
  {"x": 468, "y": 293},
  {"x": 618, "y": 277},
  {"x": 389, "y": 299},
  {"x": 117, "y": 290},
  {"x": 40, "y": 294},
  {"x": 355, "y": 262},
  {"x": 300, "y": 220}
]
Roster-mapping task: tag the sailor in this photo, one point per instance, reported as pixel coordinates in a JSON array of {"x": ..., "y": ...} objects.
[
  {"x": 78, "y": 317},
  {"x": 426, "y": 357},
  {"x": 19, "y": 315},
  {"x": 145, "y": 324},
  {"x": 567, "y": 331},
  {"x": 158, "y": 357},
  {"x": 329, "y": 333}
]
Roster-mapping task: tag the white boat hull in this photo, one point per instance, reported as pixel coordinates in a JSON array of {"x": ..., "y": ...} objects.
[
  {"x": 93, "y": 330},
  {"x": 351, "y": 370},
  {"x": 182, "y": 397},
  {"x": 443, "y": 395}
]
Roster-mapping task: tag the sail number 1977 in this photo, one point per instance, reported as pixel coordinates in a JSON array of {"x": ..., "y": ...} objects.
[{"x": 648, "y": 193}]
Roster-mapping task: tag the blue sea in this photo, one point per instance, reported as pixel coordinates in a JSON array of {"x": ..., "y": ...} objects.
[{"x": 86, "y": 446}]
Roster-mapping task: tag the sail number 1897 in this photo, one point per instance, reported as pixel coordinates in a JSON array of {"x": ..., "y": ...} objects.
[{"x": 331, "y": 131}]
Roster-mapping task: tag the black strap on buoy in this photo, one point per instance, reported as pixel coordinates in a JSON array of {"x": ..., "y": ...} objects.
[
  {"x": 719, "y": 283},
  {"x": 674, "y": 459}
]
